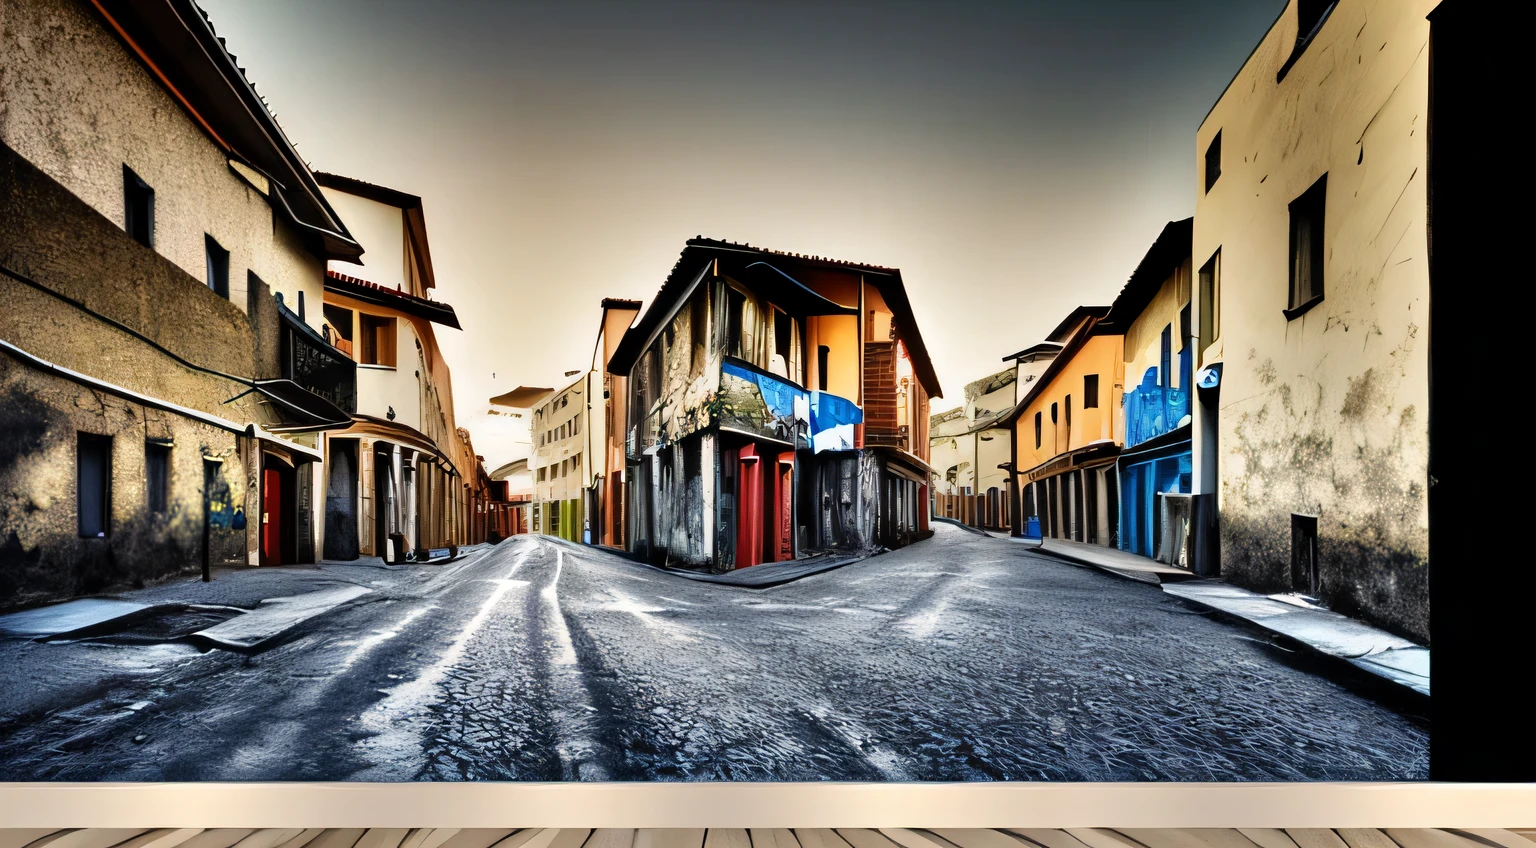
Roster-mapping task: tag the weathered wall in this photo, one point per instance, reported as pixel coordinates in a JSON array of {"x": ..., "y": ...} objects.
[
  {"x": 80, "y": 107},
  {"x": 380, "y": 229},
  {"x": 1324, "y": 414},
  {"x": 42, "y": 555}
]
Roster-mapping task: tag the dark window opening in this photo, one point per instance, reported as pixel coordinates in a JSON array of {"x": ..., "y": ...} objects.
[
  {"x": 301, "y": 306},
  {"x": 1213, "y": 161},
  {"x": 157, "y": 476},
  {"x": 783, "y": 339},
  {"x": 218, "y": 266},
  {"x": 93, "y": 490},
  {"x": 1091, "y": 391},
  {"x": 735, "y": 303},
  {"x": 1304, "y": 553},
  {"x": 1210, "y": 299},
  {"x": 1038, "y": 429},
  {"x": 1053, "y": 413},
  {"x": 1165, "y": 372},
  {"x": 138, "y": 209},
  {"x": 1310, "y": 16},
  {"x": 823, "y": 356},
  {"x": 1306, "y": 271}
]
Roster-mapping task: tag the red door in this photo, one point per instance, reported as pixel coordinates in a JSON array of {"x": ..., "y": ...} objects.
[
  {"x": 782, "y": 547},
  {"x": 271, "y": 517},
  {"x": 749, "y": 508}
]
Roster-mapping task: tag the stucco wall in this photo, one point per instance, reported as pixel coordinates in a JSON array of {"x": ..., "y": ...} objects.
[
  {"x": 1144, "y": 337},
  {"x": 380, "y": 229},
  {"x": 1101, "y": 355},
  {"x": 42, "y": 555},
  {"x": 550, "y": 454},
  {"x": 80, "y": 107},
  {"x": 1325, "y": 414}
]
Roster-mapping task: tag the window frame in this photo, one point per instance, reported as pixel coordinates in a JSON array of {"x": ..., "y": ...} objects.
[
  {"x": 157, "y": 486},
  {"x": 1212, "y": 149},
  {"x": 94, "y": 442},
  {"x": 1316, "y": 196},
  {"x": 216, "y": 257},
  {"x": 135, "y": 217}
]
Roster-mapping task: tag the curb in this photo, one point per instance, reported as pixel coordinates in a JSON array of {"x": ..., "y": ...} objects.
[
  {"x": 1352, "y": 670},
  {"x": 1083, "y": 563}
]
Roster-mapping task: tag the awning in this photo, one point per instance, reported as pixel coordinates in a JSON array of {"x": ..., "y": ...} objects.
[
  {"x": 269, "y": 439},
  {"x": 522, "y": 397},
  {"x": 305, "y": 410},
  {"x": 1088, "y": 456}
]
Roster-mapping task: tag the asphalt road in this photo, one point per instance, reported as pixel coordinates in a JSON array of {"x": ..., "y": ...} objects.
[{"x": 959, "y": 658}]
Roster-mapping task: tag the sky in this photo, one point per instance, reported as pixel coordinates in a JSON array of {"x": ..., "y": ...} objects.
[{"x": 1014, "y": 160}]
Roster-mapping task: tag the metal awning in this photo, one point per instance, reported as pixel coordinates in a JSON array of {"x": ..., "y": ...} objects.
[
  {"x": 303, "y": 408},
  {"x": 522, "y": 397}
]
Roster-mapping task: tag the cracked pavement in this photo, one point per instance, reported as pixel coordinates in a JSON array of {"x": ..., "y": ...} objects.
[{"x": 960, "y": 658}]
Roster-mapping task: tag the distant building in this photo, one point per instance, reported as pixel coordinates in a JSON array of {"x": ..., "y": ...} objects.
[
  {"x": 969, "y": 448},
  {"x": 401, "y": 471},
  {"x": 515, "y": 482},
  {"x": 562, "y": 461},
  {"x": 777, "y": 405},
  {"x": 163, "y": 378},
  {"x": 1311, "y": 245},
  {"x": 1066, "y": 434}
]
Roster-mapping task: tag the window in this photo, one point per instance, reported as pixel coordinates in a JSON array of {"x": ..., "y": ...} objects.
[
  {"x": 543, "y": 474},
  {"x": 218, "y": 266},
  {"x": 783, "y": 343},
  {"x": 93, "y": 484},
  {"x": 138, "y": 209},
  {"x": 576, "y": 464},
  {"x": 339, "y": 319},
  {"x": 1307, "y": 248},
  {"x": 1210, "y": 300},
  {"x": 1038, "y": 429},
  {"x": 1053, "y": 414},
  {"x": 1066, "y": 404},
  {"x": 1304, "y": 553},
  {"x": 301, "y": 306},
  {"x": 1213, "y": 161},
  {"x": 823, "y": 354},
  {"x": 157, "y": 476},
  {"x": 1091, "y": 391},
  {"x": 735, "y": 304},
  {"x": 1310, "y": 15},
  {"x": 1165, "y": 369},
  {"x": 377, "y": 339},
  {"x": 575, "y": 426}
]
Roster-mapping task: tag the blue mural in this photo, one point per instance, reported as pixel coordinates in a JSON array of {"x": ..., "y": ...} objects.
[
  {"x": 1152, "y": 409},
  {"x": 760, "y": 404},
  {"x": 832, "y": 420}
]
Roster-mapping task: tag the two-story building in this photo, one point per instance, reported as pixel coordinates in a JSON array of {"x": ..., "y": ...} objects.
[
  {"x": 1312, "y": 310},
  {"x": 778, "y": 404},
  {"x": 163, "y": 379},
  {"x": 399, "y": 477},
  {"x": 969, "y": 451},
  {"x": 1153, "y": 315},
  {"x": 1066, "y": 435}
]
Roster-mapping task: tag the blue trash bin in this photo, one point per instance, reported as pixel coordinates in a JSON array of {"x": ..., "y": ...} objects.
[{"x": 1032, "y": 527}]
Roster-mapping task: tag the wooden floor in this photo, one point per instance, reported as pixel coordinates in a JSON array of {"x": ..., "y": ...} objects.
[{"x": 776, "y": 838}]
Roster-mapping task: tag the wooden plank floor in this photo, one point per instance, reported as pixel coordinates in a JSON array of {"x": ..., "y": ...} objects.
[{"x": 766, "y": 838}]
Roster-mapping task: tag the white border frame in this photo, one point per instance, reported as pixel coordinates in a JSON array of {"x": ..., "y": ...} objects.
[{"x": 632, "y": 805}]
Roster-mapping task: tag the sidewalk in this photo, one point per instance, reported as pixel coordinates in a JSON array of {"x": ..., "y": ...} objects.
[
  {"x": 1388, "y": 657},
  {"x": 1114, "y": 560}
]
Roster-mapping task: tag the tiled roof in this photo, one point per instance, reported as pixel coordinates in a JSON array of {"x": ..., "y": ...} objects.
[{"x": 431, "y": 310}]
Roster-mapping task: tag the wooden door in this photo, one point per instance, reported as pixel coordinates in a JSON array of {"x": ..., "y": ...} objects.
[{"x": 271, "y": 517}]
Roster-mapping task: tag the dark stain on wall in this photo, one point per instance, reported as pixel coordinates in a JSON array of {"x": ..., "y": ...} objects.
[{"x": 1372, "y": 543}]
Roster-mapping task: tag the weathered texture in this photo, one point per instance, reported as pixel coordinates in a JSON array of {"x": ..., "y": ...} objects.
[
  {"x": 1321, "y": 413},
  {"x": 42, "y": 555},
  {"x": 80, "y": 107}
]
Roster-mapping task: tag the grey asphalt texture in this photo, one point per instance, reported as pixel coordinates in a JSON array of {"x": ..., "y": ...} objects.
[{"x": 959, "y": 658}]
